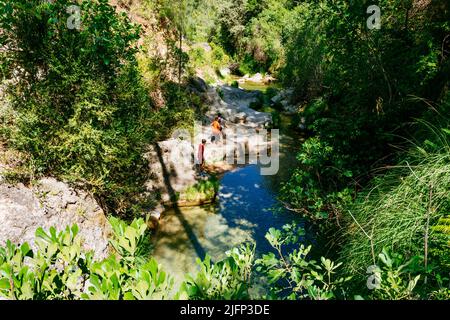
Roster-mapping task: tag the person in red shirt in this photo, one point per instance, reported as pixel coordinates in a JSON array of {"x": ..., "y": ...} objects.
[{"x": 201, "y": 155}]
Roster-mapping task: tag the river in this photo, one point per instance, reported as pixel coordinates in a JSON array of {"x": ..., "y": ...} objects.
[{"x": 243, "y": 212}]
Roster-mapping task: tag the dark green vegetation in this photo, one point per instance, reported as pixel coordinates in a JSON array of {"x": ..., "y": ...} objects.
[{"x": 373, "y": 174}]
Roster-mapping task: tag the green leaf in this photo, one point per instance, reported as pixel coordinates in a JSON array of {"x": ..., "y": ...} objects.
[
  {"x": 447, "y": 131},
  {"x": 26, "y": 250},
  {"x": 348, "y": 173},
  {"x": 4, "y": 284}
]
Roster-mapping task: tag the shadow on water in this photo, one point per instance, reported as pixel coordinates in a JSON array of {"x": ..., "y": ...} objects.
[{"x": 176, "y": 209}]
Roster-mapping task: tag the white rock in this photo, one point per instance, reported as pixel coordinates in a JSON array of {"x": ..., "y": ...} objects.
[
  {"x": 256, "y": 78},
  {"x": 240, "y": 117},
  {"x": 225, "y": 72}
]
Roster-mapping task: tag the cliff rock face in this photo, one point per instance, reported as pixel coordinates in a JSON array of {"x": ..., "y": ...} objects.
[{"x": 51, "y": 203}]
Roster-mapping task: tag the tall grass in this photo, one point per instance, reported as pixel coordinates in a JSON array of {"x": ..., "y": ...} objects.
[{"x": 401, "y": 208}]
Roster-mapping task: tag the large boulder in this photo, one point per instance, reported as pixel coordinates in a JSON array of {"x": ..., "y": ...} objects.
[
  {"x": 283, "y": 95},
  {"x": 256, "y": 78},
  {"x": 51, "y": 203},
  {"x": 172, "y": 167}
]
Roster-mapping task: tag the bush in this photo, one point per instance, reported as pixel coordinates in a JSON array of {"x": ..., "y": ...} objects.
[
  {"x": 180, "y": 110},
  {"x": 259, "y": 103},
  {"x": 396, "y": 279},
  {"x": 59, "y": 269},
  {"x": 228, "y": 279},
  {"x": 308, "y": 188},
  {"x": 271, "y": 92},
  {"x": 204, "y": 190},
  {"x": 220, "y": 93},
  {"x": 208, "y": 61},
  {"x": 276, "y": 119},
  {"x": 294, "y": 275}
]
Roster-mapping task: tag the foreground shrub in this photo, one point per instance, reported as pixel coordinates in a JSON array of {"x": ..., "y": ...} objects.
[
  {"x": 294, "y": 275},
  {"x": 60, "y": 269},
  {"x": 228, "y": 279}
]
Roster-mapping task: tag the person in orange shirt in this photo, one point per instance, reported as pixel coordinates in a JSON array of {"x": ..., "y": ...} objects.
[{"x": 216, "y": 130}]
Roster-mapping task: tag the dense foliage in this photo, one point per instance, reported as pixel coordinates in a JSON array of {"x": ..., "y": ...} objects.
[
  {"x": 375, "y": 100},
  {"x": 83, "y": 102},
  {"x": 362, "y": 92}
]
